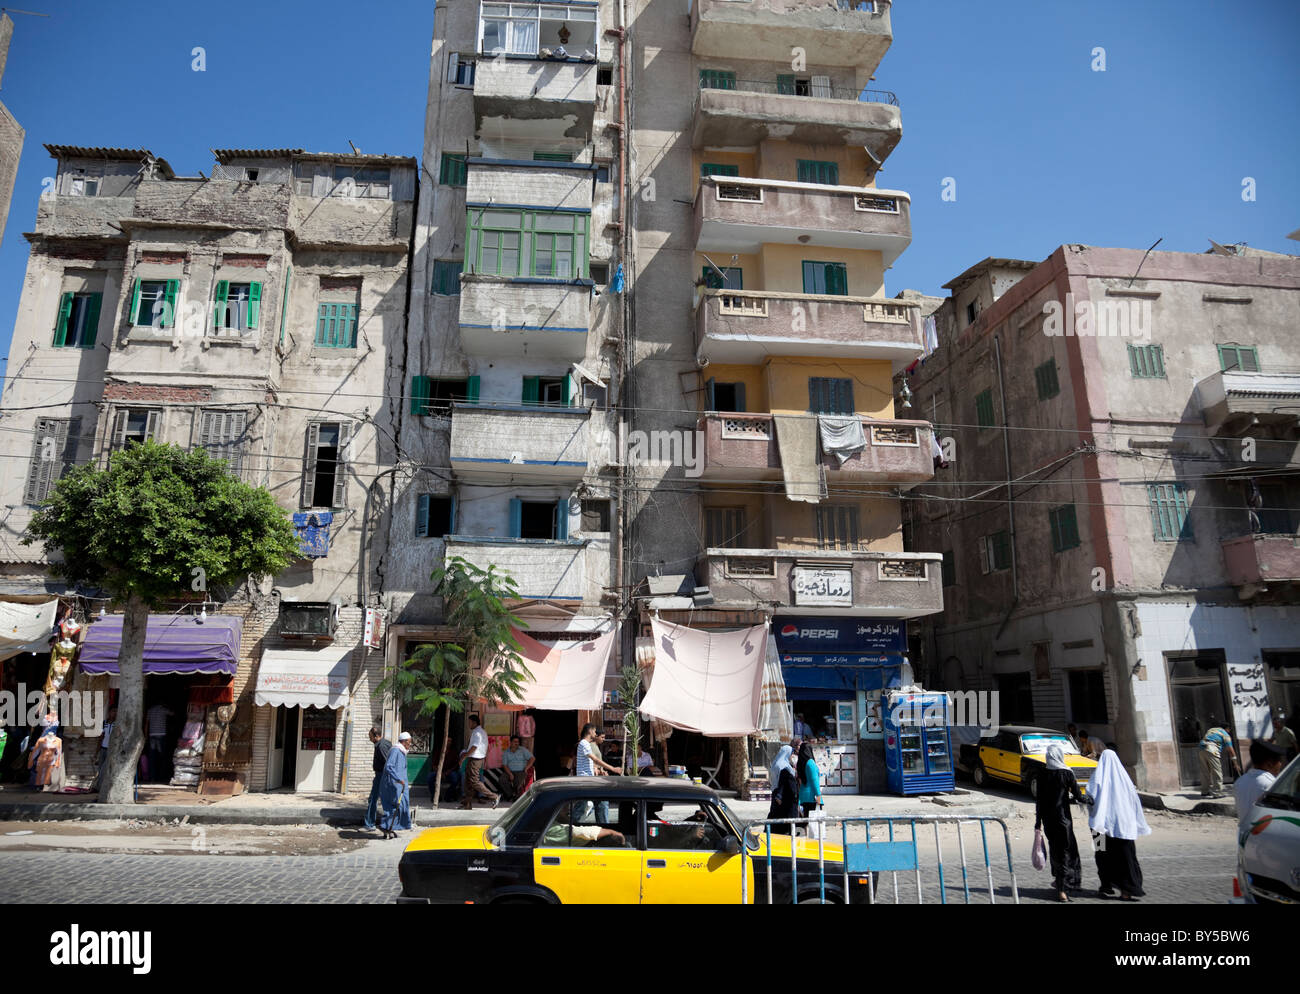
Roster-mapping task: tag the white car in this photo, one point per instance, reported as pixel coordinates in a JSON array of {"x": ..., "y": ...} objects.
[{"x": 1268, "y": 850}]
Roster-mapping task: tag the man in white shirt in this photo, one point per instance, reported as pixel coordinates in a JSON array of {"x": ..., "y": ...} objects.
[
  {"x": 1266, "y": 760},
  {"x": 476, "y": 753}
]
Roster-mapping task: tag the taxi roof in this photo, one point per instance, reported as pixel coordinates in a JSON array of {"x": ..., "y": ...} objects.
[{"x": 654, "y": 788}]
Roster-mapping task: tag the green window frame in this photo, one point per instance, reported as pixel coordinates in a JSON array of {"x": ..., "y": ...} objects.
[
  {"x": 546, "y": 244},
  {"x": 143, "y": 302},
  {"x": 731, "y": 278},
  {"x": 1170, "y": 521},
  {"x": 717, "y": 79},
  {"x": 446, "y": 277},
  {"x": 426, "y": 390},
  {"x": 336, "y": 326},
  {"x": 1065, "y": 527},
  {"x": 1146, "y": 362},
  {"x": 454, "y": 169},
  {"x": 1238, "y": 357},
  {"x": 533, "y": 388},
  {"x": 1045, "y": 378},
  {"x": 78, "y": 324},
  {"x": 817, "y": 171},
  {"x": 984, "y": 408},
  {"x": 552, "y": 156},
  {"x": 830, "y": 395},
  {"x": 718, "y": 169},
  {"x": 825, "y": 278},
  {"x": 221, "y": 313}
]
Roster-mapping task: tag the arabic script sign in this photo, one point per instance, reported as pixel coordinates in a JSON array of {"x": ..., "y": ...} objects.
[{"x": 822, "y": 587}]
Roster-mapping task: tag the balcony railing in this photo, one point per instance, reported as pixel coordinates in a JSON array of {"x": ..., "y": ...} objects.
[
  {"x": 813, "y": 92},
  {"x": 492, "y": 440}
]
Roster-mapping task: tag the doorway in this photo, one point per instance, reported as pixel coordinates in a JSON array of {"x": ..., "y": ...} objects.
[
  {"x": 1199, "y": 702},
  {"x": 1282, "y": 670},
  {"x": 555, "y": 742},
  {"x": 302, "y": 749}
]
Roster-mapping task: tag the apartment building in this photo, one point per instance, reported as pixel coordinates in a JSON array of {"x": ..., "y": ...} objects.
[
  {"x": 253, "y": 312},
  {"x": 1118, "y": 519},
  {"x": 11, "y": 132}
]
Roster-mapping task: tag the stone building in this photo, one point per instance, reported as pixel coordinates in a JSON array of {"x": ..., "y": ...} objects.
[
  {"x": 11, "y": 132},
  {"x": 1118, "y": 520}
]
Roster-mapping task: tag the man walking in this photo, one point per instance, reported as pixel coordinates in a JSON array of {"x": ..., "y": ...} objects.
[
  {"x": 382, "y": 748},
  {"x": 1283, "y": 736},
  {"x": 518, "y": 761},
  {"x": 1215, "y": 742},
  {"x": 476, "y": 753},
  {"x": 588, "y": 763},
  {"x": 1266, "y": 761}
]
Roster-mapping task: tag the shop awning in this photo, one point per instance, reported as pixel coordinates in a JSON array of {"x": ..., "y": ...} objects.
[
  {"x": 570, "y": 679},
  {"x": 181, "y": 643},
  {"x": 706, "y": 681},
  {"x": 26, "y": 628},
  {"x": 303, "y": 678}
]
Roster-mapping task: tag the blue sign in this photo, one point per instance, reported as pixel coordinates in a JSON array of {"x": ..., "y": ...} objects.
[{"x": 840, "y": 637}]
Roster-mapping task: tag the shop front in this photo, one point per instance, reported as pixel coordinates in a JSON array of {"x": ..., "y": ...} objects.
[{"x": 306, "y": 688}]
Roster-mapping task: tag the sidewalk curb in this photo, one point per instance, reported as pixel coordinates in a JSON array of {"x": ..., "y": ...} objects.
[
  {"x": 189, "y": 813},
  {"x": 1222, "y": 807}
]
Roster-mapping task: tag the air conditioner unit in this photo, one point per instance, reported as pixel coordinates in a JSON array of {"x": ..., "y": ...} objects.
[{"x": 303, "y": 620}]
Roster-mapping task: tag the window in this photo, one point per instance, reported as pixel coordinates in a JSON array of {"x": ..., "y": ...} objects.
[
  {"x": 1016, "y": 701},
  {"x": 595, "y": 395},
  {"x": 324, "y": 478},
  {"x": 550, "y": 244},
  {"x": 683, "y": 826},
  {"x": 78, "y": 323},
  {"x": 1146, "y": 361},
  {"x": 602, "y": 174},
  {"x": 729, "y": 278},
  {"x": 153, "y": 303},
  {"x": 134, "y": 426},
  {"x": 454, "y": 170},
  {"x": 552, "y": 156},
  {"x": 356, "y": 181},
  {"x": 1274, "y": 514},
  {"x": 995, "y": 552},
  {"x": 605, "y": 76},
  {"x": 972, "y": 311},
  {"x": 582, "y": 824},
  {"x": 725, "y": 396},
  {"x": 948, "y": 569},
  {"x": 538, "y": 519},
  {"x": 719, "y": 169},
  {"x": 829, "y": 395},
  {"x": 251, "y": 174},
  {"x": 547, "y": 391},
  {"x": 238, "y": 306},
  {"x": 1045, "y": 377},
  {"x": 794, "y": 85},
  {"x": 83, "y": 183},
  {"x": 815, "y": 171},
  {"x": 554, "y": 30},
  {"x": 54, "y": 452},
  {"x": 221, "y": 435},
  {"x": 984, "y": 408},
  {"x": 336, "y": 326},
  {"x": 717, "y": 79},
  {"x": 1087, "y": 697},
  {"x": 1242, "y": 357},
  {"x": 595, "y": 515},
  {"x": 599, "y": 273},
  {"x": 837, "y": 527},
  {"x": 1169, "y": 520},
  {"x": 1065, "y": 528},
  {"x": 826, "y": 278},
  {"x": 460, "y": 70},
  {"x": 435, "y": 394},
  {"x": 725, "y": 527},
  {"x": 434, "y": 516},
  {"x": 446, "y": 277}
]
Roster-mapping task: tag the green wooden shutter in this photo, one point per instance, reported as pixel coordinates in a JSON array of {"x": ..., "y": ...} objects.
[
  {"x": 451, "y": 517},
  {"x": 421, "y": 393},
  {"x": 516, "y": 517},
  {"x": 65, "y": 315},
  {"x": 90, "y": 332},
  {"x": 220, "y": 314},
  {"x": 566, "y": 391},
  {"x": 784, "y": 83},
  {"x": 740, "y": 397},
  {"x": 709, "y": 385},
  {"x": 837, "y": 279},
  {"x": 422, "y": 516},
  {"x": 532, "y": 390},
  {"x": 562, "y": 520},
  {"x": 1134, "y": 360},
  {"x": 719, "y": 169},
  {"x": 471, "y": 390},
  {"x": 254, "y": 304},
  {"x": 135, "y": 303},
  {"x": 173, "y": 291}
]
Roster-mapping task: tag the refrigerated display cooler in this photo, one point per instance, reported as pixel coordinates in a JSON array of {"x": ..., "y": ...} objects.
[{"x": 918, "y": 744}]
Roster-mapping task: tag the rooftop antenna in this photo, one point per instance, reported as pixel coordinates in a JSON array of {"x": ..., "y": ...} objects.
[
  {"x": 355, "y": 150},
  {"x": 13, "y": 10}
]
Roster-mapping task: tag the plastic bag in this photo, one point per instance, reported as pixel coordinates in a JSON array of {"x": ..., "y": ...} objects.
[
  {"x": 817, "y": 824},
  {"x": 1039, "y": 854}
]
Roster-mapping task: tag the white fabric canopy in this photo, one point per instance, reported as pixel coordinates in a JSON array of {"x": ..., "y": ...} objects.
[
  {"x": 570, "y": 679},
  {"x": 707, "y": 682},
  {"x": 26, "y": 628},
  {"x": 303, "y": 678},
  {"x": 776, "y": 717}
]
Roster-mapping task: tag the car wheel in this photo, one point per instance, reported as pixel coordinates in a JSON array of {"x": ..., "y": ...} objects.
[
  {"x": 978, "y": 775},
  {"x": 815, "y": 898}
]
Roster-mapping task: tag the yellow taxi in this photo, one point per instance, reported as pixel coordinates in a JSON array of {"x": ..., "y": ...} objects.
[{"x": 1015, "y": 752}]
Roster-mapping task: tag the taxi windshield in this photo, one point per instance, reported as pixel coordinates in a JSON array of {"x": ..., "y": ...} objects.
[
  {"x": 498, "y": 832},
  {"x": 1036, "y": 744}
]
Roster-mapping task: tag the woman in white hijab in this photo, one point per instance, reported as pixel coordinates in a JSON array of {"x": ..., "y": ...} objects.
[
  {"x": 1056, "y": 789},
  {"x": 1116, "y": 821}
]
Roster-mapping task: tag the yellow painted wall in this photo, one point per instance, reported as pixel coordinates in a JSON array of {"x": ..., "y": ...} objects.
[
  {"x": 756, "y": 534},
  {"x": 751, "y": 376},
  {"x": 778, "y": 160},
  {"x": 880, "y": 526},
  {"x": 787, "y": 383},
  {"x": 782, "y": 268}
]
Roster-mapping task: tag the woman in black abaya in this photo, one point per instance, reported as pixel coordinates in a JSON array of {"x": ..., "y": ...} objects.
[{"x": 1057, "y": 789}]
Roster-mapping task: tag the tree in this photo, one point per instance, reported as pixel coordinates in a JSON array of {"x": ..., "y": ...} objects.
[
  {"x": 484, "y": 665},
  {"x": 157, "y": 524},
  {"x": 629, "y": 691}
]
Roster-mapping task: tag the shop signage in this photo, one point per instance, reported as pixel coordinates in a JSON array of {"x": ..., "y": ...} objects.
[
  {"x": 796, "y": 634},
  {"x": 822, "y": 587},
  {"x": 374, "y": 633}
]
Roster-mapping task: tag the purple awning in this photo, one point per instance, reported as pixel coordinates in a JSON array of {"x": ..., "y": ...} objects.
[{"x": 172, "y": 644}]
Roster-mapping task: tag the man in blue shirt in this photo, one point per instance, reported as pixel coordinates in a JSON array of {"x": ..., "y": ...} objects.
[
  {"x": 1214, "y": 744},
  {"x": 518, "y": 761}
]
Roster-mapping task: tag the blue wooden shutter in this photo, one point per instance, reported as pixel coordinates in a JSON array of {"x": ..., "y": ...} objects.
[
  {"x": 516, "y": 517},
  {"x": 562, "y": 520},
  {"x": 740, "y": 397},
  {"x": 65, "y": 316},
  {"x": 422, "y": 516},
  {"x": 254, "y": 303},
  {"x": 451, "y": 517}
]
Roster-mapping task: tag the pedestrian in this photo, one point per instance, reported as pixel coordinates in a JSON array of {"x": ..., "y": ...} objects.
[
  {"x": 1266, "y": 762},
  {"x": 1214, "y": 744},
  {"x": 46, "y": 760},
  {"x": 474, "y": 754},
  {"x": 156, "y": 726},
  {"x": 588, "y": 761},
  {"x": 810, "y": 780},
  {"x": 396, "y": 789},
  {"x": 103, "y": 749},
  {"x": 1072, "y": 730},
  {"x": 1116, "y": 821},
  {"x": 801, "y": 729},
  {"x": 1283, "y": 736},
  {"x": 518, "y": 762},
  {"x": 1056, "y": 789},
  {"x": 785, "y": 791},
  {"x": 382, "y": 749},
  {"x": 1089, "y": 748}
]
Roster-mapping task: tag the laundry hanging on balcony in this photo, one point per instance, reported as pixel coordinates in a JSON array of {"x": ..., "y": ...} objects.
[
  {"x": 801, "y": 465},
  {"x": 706, "y": 681},
  {"x": 313, "y": 529},
  {"x": 570, "y": 679},
  {"x": 842, "y": 435}
]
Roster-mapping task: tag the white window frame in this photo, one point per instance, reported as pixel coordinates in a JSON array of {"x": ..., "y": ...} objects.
[{"x": 533, "y": 13}]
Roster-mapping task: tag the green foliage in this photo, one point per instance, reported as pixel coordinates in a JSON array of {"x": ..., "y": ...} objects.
[
  {"x": 161, "y": 521},
  {"x": 629, "y": 693}
]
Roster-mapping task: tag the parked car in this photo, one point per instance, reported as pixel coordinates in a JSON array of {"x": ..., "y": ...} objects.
[
  {"x": 617, "y": 840},
  {"x": 1268, "y": 850},
  {"x": 1015, "y": 752}
]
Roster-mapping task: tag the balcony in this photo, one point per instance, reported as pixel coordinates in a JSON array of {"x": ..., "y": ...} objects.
[
  {"x": 746, "y": 326},
  {"x": 868, "y": 584},
  {"x": 739, "y": 215},
  {"x": 761, "y": 29},
  {"x": 534, "y": 318},
  {"x": 754, "y": 112},
  {"x": 533, "y": 98},
  {"x": 542, "y": 570},
  {"x": 1258, "y": 560},
  {"x": 1238, "y": 403},
  {"x": 499, "y": 441},
  {"x": 744, "y": 446},
  {"x": 538, "y": 184}
]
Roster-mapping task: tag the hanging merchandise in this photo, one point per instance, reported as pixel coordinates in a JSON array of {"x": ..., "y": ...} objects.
[
  {"x": 187, "y": 760},
  {"x": 60, "y": 659}
]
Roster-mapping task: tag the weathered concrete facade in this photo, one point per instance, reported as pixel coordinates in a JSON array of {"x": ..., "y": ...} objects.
[{"x": 11, "y": 132}]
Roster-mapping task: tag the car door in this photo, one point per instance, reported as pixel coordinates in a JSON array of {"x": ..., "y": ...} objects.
[
  {"x": 684, "y": 861},
  {"x": 581, "y": 861},
  {"x": 1006, "y": 757}
]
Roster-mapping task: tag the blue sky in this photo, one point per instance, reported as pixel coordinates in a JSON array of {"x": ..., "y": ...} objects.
[{"x": 999, "y": 96}]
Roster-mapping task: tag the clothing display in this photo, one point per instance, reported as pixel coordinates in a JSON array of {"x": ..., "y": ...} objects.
[
  {"x": 187, "y": 760},
  {"x": 46, "y": 758},
  {"x": 60, "y": 659},
  {"x": 842, "y": 435}
]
